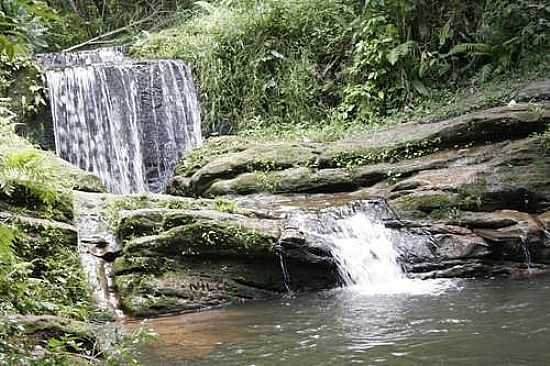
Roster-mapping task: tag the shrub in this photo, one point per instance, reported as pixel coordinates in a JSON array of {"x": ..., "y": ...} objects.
[{"x": 266, "y": 63}]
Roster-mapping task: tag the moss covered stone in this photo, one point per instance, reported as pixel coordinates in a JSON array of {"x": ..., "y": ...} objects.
[
  {"x": 287, "y": 181},
  {"x": 279, "y": 168},
  {"x": 203, "y": 237}
]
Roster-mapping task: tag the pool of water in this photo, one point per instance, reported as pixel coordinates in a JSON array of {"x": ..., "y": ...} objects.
[{"x": 493, "y": 322}]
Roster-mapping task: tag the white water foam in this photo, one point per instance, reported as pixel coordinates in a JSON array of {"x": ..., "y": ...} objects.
[
  {"x": 368, "y": 262},
  {"x": 366, "y": 252}
]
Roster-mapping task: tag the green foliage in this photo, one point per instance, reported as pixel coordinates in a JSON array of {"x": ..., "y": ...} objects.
[
  {"x": 509, "y": 31},
  {"x": 67, "y": 349},
  {"x": 261, "y": 62},
  {"x": 223, "y": 205},
  {"x": 285, "y": 65},
  {"x": 40, "y": 274},
  {"x": 25, "y": 75},
  {"x": 115, "y": 21},
  {"x": 7, "y": 237},
  {"x": 27, "y": 176},
  {"x": 23, "y": 26}
]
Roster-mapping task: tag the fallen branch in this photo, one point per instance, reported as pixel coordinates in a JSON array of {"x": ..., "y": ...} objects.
[{"x": 108, "y": 34}]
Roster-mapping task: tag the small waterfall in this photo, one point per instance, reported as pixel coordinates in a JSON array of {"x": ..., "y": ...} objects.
[
  {"x": 364, "y": 252},
  {"x": 284, "y": 270},
  {"x": 526, "y": 253},
  {"x": 363, "y": 248},
  {"x": 98, "y": 248},
  {"x": 126, "y": 121}
]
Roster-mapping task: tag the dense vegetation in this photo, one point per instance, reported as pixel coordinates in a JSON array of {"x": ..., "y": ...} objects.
[{"x": 328, "y": 62}]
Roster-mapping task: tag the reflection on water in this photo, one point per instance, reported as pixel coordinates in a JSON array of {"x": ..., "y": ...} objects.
[
  {"x": 484, "y": 323},
  {"x": 191, "y": 336}
]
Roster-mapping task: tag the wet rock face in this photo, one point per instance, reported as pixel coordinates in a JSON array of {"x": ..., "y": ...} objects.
[
  {"x": 367, "y": 160},
  {"x": 198, "y": 256},
  {"x": 188, "y": 255}
]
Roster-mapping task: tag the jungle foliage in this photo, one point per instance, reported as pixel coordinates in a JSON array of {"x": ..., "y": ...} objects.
[{"x": 267, "y": 62}]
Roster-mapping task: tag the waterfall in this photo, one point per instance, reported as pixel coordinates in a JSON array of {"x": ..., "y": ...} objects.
[
  {"x": 364, "y": 253},
  {"x": 126, "y": 121},
  {"x": 364, "y": 250}
]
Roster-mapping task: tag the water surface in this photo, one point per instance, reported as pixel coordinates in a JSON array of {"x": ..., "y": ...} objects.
[{"x": 493, "y": 322}]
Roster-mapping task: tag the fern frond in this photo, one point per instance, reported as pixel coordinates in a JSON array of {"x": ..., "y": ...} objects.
[
  {"x": 29, "y": 170},
  {"x": 7, "y": 237},
  {"x": 471, "y": 49},
  {"x": 206, "y": 6},
  {"x": 404, "y": 49}
]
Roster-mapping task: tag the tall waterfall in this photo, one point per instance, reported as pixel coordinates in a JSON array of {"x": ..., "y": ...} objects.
[
  {"x": 365, "y": 251},
  {"x": 126, "y": 121}
]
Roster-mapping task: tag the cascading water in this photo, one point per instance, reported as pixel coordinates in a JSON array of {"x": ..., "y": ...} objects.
[
  {"x": 364, "y": 253},
  {"x": 363, "y": 248},
  {"x": 126, "y": 121}
]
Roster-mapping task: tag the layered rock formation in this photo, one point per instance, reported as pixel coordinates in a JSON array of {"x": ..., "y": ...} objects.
[{"x": 476, "y": 188}]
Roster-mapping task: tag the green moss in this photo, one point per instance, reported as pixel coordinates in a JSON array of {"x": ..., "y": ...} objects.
[
  {"x": 473, "y": 194},
  {"x": 44, "y": 276},
  {"x": 469, "y": 197},
  {"x": 201, "y": 237},
  {"x": 267, "y": 182},
  {"x": 223, "y": 205},
  {"x": 134, "y": 264},
  {"x": 427, "y": 202},
  {"x": 354, "y": 158},
  {"x": 142, "y": 201},
  {"x": 145, "y": 295},
  {"x": 197, "y": 158}
]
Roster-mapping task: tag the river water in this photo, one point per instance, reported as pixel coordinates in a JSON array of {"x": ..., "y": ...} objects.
[{"x": 489, "y": 322}]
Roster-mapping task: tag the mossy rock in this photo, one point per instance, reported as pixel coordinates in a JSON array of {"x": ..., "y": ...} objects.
[
  {"x": 294, "y": 180},
  {"x": 31, "y": 331},
  {"x": 282, "y": 168},
  {"x": 203, "y": 237},
  {"x": 186, "y": 290},
  {"x": 262, "y": 158}
]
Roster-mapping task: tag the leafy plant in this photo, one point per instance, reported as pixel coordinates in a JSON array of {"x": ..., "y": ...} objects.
[
  {"x": 223, "y": 205},
  {"x": 287, "y": 65},
  {"x": 27, "y": 175},
  {"x": 7, "y": 237},
  {"x": 509, "y": 31},
  {"x": 23, "y": 26},
  {"x": 260, "y": 63}
]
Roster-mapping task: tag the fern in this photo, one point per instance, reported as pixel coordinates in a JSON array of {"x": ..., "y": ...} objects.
[
  {"x": 471, "y": 49},
  {"x": 7, "y": 237},
  {"x": 29, "y": 171},
  {"x": 403, "y": 50}
]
